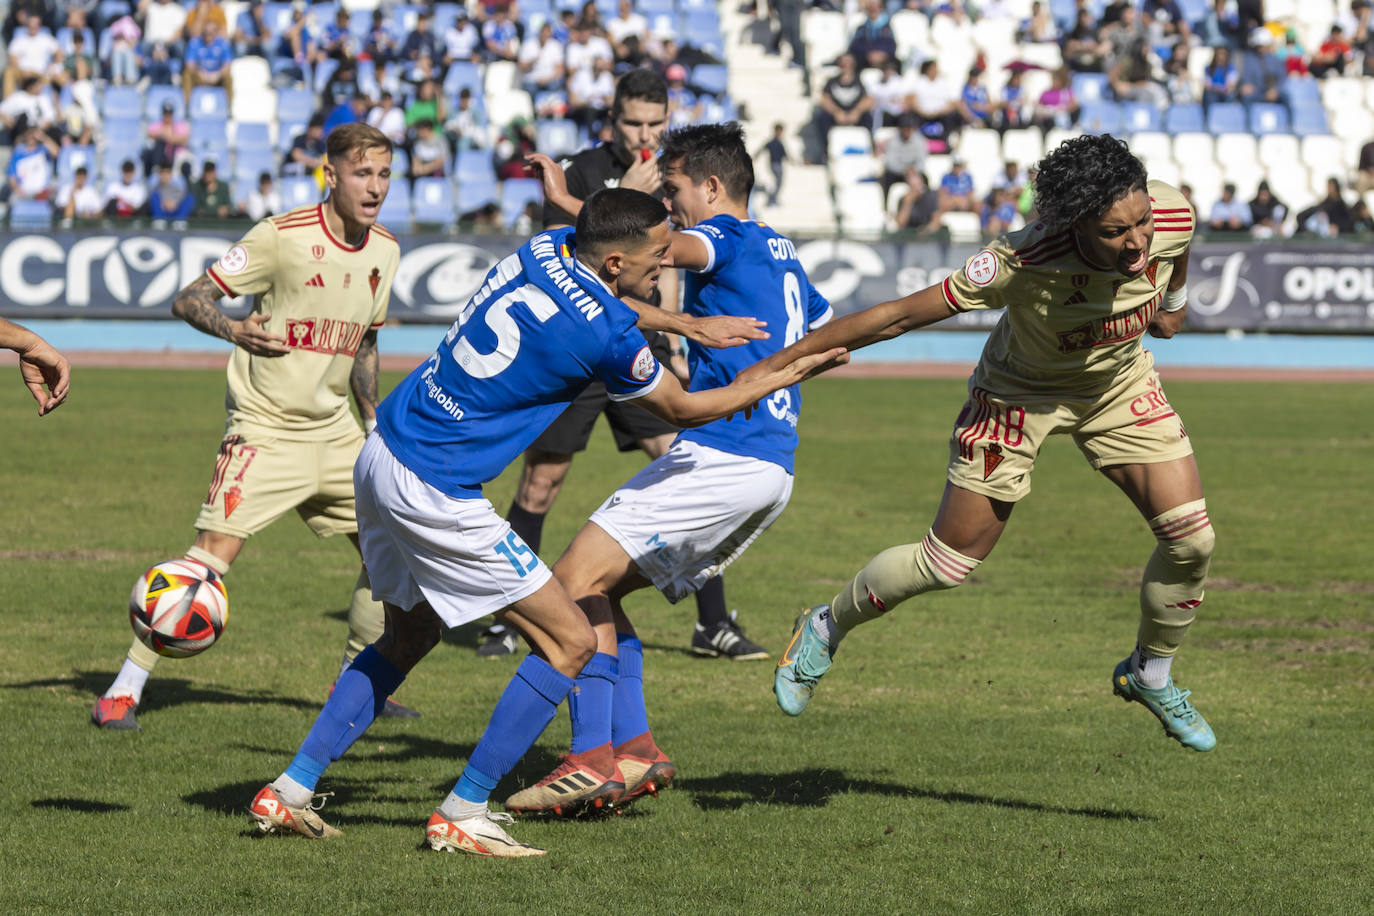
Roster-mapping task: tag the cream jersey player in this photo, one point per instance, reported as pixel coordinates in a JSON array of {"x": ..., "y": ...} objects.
[
  {"x": 1068, "y": 329},
  {"x": 322, "y": 295}
]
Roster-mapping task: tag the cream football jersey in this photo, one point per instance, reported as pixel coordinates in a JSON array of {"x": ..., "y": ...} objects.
[
  {"x": 1069, "y": 329},
  {"x": 323, "y": 295}
]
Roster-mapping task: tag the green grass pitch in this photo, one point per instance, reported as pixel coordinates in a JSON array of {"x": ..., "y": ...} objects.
[{"x": 964, "y": 755}]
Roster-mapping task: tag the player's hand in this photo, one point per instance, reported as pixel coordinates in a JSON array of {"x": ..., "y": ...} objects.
[
  {"x": 549, "y": 173},
  {"x": 1166, "y": 324},
  {"x": 718, "y": 331},
  {"x": 643, "y": 174},
  {"x": 46, "y": 374},
  {"x": 251, "y": 335},
  {"x": 806, "y": 367}
]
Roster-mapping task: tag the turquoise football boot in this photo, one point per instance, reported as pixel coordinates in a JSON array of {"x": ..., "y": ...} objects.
[
  {"x": 1180, "y": 719},
  {"x": 806, "y": 658}
]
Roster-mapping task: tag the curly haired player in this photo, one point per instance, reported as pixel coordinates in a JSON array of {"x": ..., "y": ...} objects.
[{"x": 1105, "y": 262}]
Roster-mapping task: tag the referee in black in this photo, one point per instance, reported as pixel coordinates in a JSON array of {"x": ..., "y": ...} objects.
[{"x": 638, "y": 115}]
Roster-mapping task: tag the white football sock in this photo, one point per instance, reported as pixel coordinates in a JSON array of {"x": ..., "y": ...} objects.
[
  {"x": 1150, "y": 670},
  {"x": 129, "y": 682},
  {"x": 457, "y": 809},
  {"x": 823, "y": 623},
  {"x": 291, "y": 793}
]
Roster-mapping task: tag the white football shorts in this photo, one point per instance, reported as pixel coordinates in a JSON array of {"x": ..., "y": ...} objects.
[
  {"x": 420, "y": 544},
  {"x": 691, "y": 512}
]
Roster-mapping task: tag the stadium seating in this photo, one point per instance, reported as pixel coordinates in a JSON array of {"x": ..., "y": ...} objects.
[
  {"x": 557, "y": 138},
  {"x": 298, "y": 191},
  {"x": 1227, "y": 117},
  {"x": 1182, "y": 119},
  {"x": 395, "y": 212},
  {"x": 515, "y": 194},
  {"x": 432, "y": 201}
]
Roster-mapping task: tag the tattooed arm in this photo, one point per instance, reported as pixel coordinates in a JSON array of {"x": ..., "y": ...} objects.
[
  {"x": 196, "y": 305},
  {"x": 362, "y": 380}
]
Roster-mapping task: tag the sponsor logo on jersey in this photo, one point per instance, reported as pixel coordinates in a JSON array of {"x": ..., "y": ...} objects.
[
  {"x": 324, "y": 335},
  {"x": 316, "y": 282},
  {"x": 374, "y": 279},
  {"x": 235, "y": 260},
  {"x": 981, "y": 269},
  {"x": 992, "y": 456},
  {"x": 644, "y": 365},
  {"x": 1108, "y": 331}
]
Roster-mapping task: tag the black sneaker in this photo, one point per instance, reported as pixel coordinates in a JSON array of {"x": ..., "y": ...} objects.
[
  {"x": 496, "y": 640},
  {"x": 726, "y": 640}
]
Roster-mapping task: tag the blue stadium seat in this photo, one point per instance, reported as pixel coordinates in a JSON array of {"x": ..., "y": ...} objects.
[
  {"x": 1297, "y": 91},
  {"x": 122, "y": 131},
  {"x": 1268, "y": 118},
  {"x": 1064, "y": 13},
  {"x": 366, "y": 71},
  {"x": 1100, "y": 117},
  {"x": 556, "y": 137},
  {"x": 463, "y": 73},
  {"x": 432, "y": 201},
  {"x": 295, "y": 104},
  {"x": 298, "y": 191},
  {"x": 1090, "y": 87},
  {"x": 1139, "y": 117},
  {"x": 1184, "y": 119},
  {"x": 689, "y": 5},
  {"x": 515, "y": 194},
  {"x": 323, "y": 71},
  {"x": 210, "y": 138},
  {"x": 711, "y": 79},
  {"x": 360, "y": 23},
  {"x": 651, "y": 8},
  {"x": 400, "y": 164},
  {"x": 476, "y": 191},
  {"x": 64, "y": 40},
  {"x": 395, "y": 212},
  {"x": 287, "y": 131},
  {"x": 157, "y": 95},
  {"x": 474, "y": 164},
  {"x": 1310, "y": 121},
  {"x": 276, "y": 17},
  {"x": 445, "y": 15},
  {"x": 403, "y": 16},
  {"x": 30, "y": 214},
  {"x": 252, "y": 136},
  {"x": 532, "y": 10},
  {"x": 122, "y": 102},
  {"x": 110, "y": 10},
  {"x": 701, "y": 30},
  {"x": 1227, "y": 118},
  {"x": 70, "y": 157},
  {"x": 250, "y": 163},
  {"x": 209, "y": 102},
  {"x": 112, "y": 159}
]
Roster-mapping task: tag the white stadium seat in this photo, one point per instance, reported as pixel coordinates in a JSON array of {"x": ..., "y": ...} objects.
[
  {"x": 1236, "y": 148},
  {"x": 860, "y": 207},
  {"x": 1278, "y": 150},
  {"x": 1023, "y": 145},
  {"x": 962, "y": 226},
  {"x": 1193, "y": 148},
  {"x": 1151, "y": 145}
]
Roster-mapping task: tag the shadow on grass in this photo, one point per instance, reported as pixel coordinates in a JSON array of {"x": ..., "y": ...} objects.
[
  {"x": 171, "y": 691},
  {"x": 465, "y": 637},
  {"x": 80, "y": 805},
  {"x": 813, "y": 788}
]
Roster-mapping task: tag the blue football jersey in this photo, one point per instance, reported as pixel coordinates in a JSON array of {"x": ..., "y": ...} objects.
[
  {"x": 751, "y": 271},
  {"x": 540, "y": 328}
]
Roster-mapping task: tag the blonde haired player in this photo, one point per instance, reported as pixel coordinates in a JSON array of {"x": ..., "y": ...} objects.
[
  {"x": 320, "y": 278},
  {"x": 1105, "y": 262}
]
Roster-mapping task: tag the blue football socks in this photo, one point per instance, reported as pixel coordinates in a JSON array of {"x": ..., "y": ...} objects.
[
  {"x": 629, "y": 718},
  {"x": 589, "y": 704}
]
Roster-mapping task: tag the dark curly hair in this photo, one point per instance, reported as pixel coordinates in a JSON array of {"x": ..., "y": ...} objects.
[{"x": 1083, "y": 177}]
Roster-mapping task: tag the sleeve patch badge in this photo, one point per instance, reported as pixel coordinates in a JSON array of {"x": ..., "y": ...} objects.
[
  {"x": 981, "y": 269},
  {"x": 235, "y": 260},
  {"x": 644, "y": 365}
]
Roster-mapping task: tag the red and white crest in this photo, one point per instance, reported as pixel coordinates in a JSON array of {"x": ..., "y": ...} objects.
[
  {"x": 981, "y": 269},
  {"x": 235, "y": 260},
  {"x": 644, "y": 365}
]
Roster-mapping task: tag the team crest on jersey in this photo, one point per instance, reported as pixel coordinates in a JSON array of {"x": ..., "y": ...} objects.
[
  {"x": 1080, "y": 281},
  {"x": 232, "y": 497},
  {"x": 374, "y": 279},
  {"x": 992, "y": 456},
  {"x": 981, "y": 269},
  {"x": 1151, "y": 269},
  {"x": 317, "y": 251},
  {"x": 235, "y": 260},
  {"x": 643, "y": 368}
]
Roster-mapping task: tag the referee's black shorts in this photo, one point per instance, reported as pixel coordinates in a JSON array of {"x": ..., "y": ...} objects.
[{"x": 629, "y": 422}]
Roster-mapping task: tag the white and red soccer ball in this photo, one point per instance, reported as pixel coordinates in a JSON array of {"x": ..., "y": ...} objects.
[{"x": 178, "y": 608}]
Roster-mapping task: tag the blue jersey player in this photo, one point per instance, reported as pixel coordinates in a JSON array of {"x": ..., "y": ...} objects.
[
  {"x": 694, "y": 510},
  {"x": 545, "y": 322}
]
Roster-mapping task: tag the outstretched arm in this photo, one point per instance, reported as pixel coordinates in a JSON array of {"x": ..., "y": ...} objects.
[
  {"x": 1166, "y": 324},
  {"x": 716, "y": 331},
  {"x": 362, "y": 380},
  {"x": 46, "y": 372},
  {"x": 196, "y": 305}
]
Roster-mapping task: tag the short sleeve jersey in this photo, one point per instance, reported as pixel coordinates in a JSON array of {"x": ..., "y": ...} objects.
[
  {"x": 751, "y": 271},
  {"x": 1069, "y": 329},
  {"x": 323, "y": 296},
  {"x": 541, "y": 326}
]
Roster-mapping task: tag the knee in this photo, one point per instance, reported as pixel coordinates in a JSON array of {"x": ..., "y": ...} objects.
[
  {"x": 573, "y": 648},
  {"x": 1193, "y": 550},
  {"x": 409, "y": 635}
]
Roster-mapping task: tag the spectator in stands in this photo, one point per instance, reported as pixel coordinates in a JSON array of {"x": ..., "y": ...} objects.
[
  {"x": 517, "y": 141},
  {"x": 919, "y": 206},
  {"x": 590, "y": 18},
  {"x": 26, "y": 107},
  {"x": 1229, "y": 214},
  {"x": 626, "y": 24},
  {"x": 297, "y": 43},
  {"x": 204, "y": 11},
  {"x": 1333, "y": 55},
  {"x": 207, "y": 61},
  {"x": 1039, "y": 27},
  {"x": 976, "y": 104},
  {"x": 427, "y": 105},
  {"x": 541, "y": 61},
  {"x": 167, "y": 141},
  {"x": 903, "y": 153},
  {"x": 956, "y": 189},
  {"x": 429, "y": 152},
  {"x": 307, "y": 150},
  {"x": 843, "y": 102},
  {"x": 127, "y": 195},
  {"x": 776, "y": 151},
  {"x": 1221, "y": 26},
  {"x": 789, "y": 14},
  {"x": 890, "y": 94},
  {"x": 164, "y": 22},
  {"x": 1293, "y": 55},
  {"x": 337, "y": 41},
  {"x": 585, "y": 46},
  {"x": 251, "y": 35},
  {"x": 382, "y": 45},
  {"x": 125, "y": 62},
  {"x": 1262, "y": 72},
  {"x": 1330, "y": 216},
  {"x": 77, "y": 199},
  {"x": 1364, "y": 169},
  {"x": 19, "y": 12},
  {"x": 500, "y": 37},
  {"x": 462, "y": 40},
  {"x": 937, "y": 104},
  {"x": 1165, "y": 25},
  {"x": 168, "y": 199},
  {"x": 590, "y": 92},
  {"x": 1361, "y": 222},
  {"x": 211, "y": 196},
  {"x": 1000, "y": 214},
  {"x": 78, "y": 65},
  {"x": 1178, "y": 82},
  {"x": 1025, "y": 204},
  {"x": 79, "y": 118},
  {"x": 1221, "y": 79},
  {"x": 33, "y": 54},
  {"x": 1084, "y": 49},
  {"x": 422, "y": 42},
  {"x": 263, "y": 201},
  {"x": 30, "y": 172},
  {"x": 1011, "y": 178},
  {"x": 1362, "y": 33},
  {"x": 1133, "y": 78},
  {"x": 683, "y": 107},
  {"x": 1057, "y": 106},
  {"x": 389, "y": 119},
  {"x": 467, "y": 127},
  {"x": 352, "y": 109},
  {"x": 873, "y": 41},
  {"x": 1267, "y": 213},
  {"x": 1013, "y": 102}
]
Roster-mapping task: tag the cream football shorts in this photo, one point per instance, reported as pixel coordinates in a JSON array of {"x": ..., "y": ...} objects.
[
  {"x": 691, "y": 512},
  {"x": 420, "y": 544},
  {"x": 996, "y": 439},
  {"x": 259, "y": 477}
]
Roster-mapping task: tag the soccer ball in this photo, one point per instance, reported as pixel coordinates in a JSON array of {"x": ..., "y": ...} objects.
[{"x": 178, "y": 608}]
